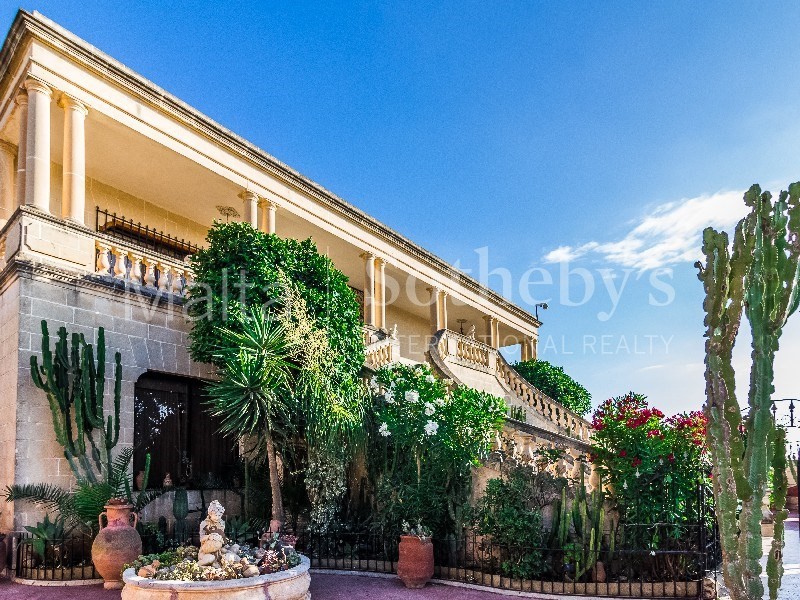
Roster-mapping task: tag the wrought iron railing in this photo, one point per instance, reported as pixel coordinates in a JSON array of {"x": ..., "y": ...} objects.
[{"x": 142, "y": 235}]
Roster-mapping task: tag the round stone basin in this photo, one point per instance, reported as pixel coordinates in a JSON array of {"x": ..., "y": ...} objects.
[{"x": 291, "y": 584}]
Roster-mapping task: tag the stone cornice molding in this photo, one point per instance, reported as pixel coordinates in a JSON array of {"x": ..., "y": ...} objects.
[{"x": 35, "y": 25}]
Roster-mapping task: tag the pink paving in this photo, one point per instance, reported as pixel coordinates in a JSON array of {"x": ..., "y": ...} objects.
[{"x": 323, "y": 587}]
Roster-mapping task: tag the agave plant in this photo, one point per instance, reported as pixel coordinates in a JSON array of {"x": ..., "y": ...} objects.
[
  {"x": 80, "y": 509},
  {"x": 43, "y": 532}
]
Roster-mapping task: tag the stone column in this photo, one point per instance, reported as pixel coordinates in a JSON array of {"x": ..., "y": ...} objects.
[
  {"x": 380, "y": 292},
  {"x": 22, "y": 152},
  {"x": 250, "y": 207},
  {"x": 37, "y": 162},
  {"x": 442, "y": 309},
  {"x": 369, "y": 288},
  {"x": 8, "y": 194},
  {"x": 496, "y": 334},
  {"x": 489, "y": 337},
  {"x": 73, "y": 203},
  {"x": 268, "y": 210},
  {"x": 535, "y": 348},
  {"x": 436, "y": 309}
]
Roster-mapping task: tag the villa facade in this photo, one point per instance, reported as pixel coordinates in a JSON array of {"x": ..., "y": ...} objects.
[{"x": 108, "y": 183}]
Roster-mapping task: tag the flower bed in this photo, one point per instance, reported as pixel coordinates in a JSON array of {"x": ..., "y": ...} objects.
[{"x": 291, "y": 584}]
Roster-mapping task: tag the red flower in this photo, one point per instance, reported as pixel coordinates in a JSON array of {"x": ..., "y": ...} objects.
[
  {"x": 623, "y": 453},
  {"x": 671, "y": 458},
  {"x": 636, "y": 462}
]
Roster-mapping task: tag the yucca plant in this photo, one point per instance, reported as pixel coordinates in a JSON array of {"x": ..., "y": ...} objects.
[{"x": 253, "y": 397}]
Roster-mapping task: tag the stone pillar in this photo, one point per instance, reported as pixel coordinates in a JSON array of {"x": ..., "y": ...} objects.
[
  {"x": 535, "y": 348},
  {"x": 22, "y": 152},
  {"x": 380, "y": 292},
  {"x": 250, "y": 199},
  {"x": 8, "y": 194},
  {"x": 527, "y": 348},
  {"x": 489, "y": 337},
  {"x": 73, "y": 203},
  {"x": 435, "y": 313},
  {"x": 442, "y": 309},
  {"x": 496, "y": 334},
  {"x": 37, "y": 161},
  {"x": 523, "y": 350},
  {"x": 369, "y": 288},
  {"x": 268, "y": 210}
]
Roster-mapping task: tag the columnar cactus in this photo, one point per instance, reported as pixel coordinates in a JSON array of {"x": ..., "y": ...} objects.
[
  {"x": 759, "y": 277},
  {"x": 75, "y": 387}
]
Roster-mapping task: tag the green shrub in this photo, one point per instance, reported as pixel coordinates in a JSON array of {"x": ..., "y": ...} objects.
[
  {"x": 554, "y": 382},
  {"x": 235, "y": 251},
  {"x": 507, "y": 515}
]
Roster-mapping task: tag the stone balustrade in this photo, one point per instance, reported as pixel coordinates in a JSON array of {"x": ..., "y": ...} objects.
[
  {"x": 459, "y": 349},
  {"x": 34, "y": 236},
  {"x": 129, "y": 263},
  {"x": 382, "y": 353},
  {"x": 543, "y": 404}
]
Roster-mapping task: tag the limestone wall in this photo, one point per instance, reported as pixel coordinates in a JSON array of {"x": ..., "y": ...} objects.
[{"x": 148, "y": 337}]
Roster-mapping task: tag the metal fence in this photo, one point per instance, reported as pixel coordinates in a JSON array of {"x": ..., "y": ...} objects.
[
  {"x": 52, "y": 560},
  {"x": 142, "y": 235},
  {"x": 675, "y": 570}
]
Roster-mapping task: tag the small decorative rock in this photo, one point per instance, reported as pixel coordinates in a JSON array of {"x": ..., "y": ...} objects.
[
  {"x": 599, "y": 572},
  {"x": 149, "y": 570}
]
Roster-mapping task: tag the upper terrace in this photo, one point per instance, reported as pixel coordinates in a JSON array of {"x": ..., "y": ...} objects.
[{"x": 80, "y": 131}]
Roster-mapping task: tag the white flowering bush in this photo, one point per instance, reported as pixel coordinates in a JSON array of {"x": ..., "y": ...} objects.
[{"x": 428, "y": 438}]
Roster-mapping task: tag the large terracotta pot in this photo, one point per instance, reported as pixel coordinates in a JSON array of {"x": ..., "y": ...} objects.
[
  {"x": 415, "y": 565},
  {"x": 116, "y": 544}
]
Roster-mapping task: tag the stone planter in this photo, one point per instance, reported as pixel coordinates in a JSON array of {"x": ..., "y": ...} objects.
[
  {"x": 415, "y": 564},
  {"x": 286, "y": 585},
  {"x": 116, "y": 544}
]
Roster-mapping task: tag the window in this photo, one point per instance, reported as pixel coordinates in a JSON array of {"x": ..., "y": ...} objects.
[{"x": 173, "y": 425}]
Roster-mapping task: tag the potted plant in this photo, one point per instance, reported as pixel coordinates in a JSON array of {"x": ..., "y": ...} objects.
[{"x": 415, "y": 564}]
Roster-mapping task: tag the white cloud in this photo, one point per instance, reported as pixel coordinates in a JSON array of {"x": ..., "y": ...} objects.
[{"x": 670, "y": 234}]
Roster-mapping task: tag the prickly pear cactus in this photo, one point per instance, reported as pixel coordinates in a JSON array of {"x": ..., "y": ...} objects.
[{"x": 758, "y": 277}]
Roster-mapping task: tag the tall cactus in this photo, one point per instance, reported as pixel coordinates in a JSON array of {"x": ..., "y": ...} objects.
[
  {"x": 759, "y": 277},
  {"x": 75, "y": 387}
]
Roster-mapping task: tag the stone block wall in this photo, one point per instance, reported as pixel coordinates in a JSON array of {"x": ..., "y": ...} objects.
[{"x": 148, "y": 335}]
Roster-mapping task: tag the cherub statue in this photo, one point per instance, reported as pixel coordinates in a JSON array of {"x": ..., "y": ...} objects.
[
  {"x": 213, "y": 523},
  {"x": 210, "y": 547},
  {"x": 471, "y": 332}
]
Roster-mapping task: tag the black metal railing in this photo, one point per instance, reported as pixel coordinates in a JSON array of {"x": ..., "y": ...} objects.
[
  {"x": 142, "y": 235},
  {"x": 53, "y": 560},
  {"x": 676, "y": 569}
]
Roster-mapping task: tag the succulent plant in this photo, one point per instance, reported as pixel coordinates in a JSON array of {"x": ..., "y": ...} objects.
[{"x": 758, "y": 277}]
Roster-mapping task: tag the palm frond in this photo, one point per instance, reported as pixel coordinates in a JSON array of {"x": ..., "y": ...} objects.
[
  {"x": 145, "y": 497},
  {"x": 45, "y": 495}
]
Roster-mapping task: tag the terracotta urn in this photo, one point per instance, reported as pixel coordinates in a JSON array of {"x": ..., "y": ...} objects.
[
  {"x": 415, "y": 565},
  {"x": 117, "y": 543}
]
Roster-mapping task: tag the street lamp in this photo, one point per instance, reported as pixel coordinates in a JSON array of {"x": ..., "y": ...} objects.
[{"x": 543, "y": 305}]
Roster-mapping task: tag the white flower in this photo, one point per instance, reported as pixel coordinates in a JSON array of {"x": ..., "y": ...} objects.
[
  {"x": 429, "y": 409},
  {"x": 384, "y": 430},
  {"x": 373, "y": 385},
  {"x": 430, "y": 379},
  {"x": 439, "y": 401},
  {"x": 412, "y": 396},
  {"x": 431, "y": 427},
  {"x": 388, "y": 395}
]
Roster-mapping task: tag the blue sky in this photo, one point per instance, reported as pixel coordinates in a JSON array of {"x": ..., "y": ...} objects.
[{"x": 608, "y": 134}]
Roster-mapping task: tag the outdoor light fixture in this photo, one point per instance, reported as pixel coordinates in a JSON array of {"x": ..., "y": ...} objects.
[
  {"x": 543, "y": 305},
  {"x": 461, "y": 323},
  {"x": 227, "y": 212}
]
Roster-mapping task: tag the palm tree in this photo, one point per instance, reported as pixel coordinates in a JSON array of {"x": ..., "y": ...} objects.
[{"x": 253, "y": 397}]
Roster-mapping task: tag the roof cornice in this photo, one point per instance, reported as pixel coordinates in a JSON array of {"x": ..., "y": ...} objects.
[{"x": 50, "y": 33}]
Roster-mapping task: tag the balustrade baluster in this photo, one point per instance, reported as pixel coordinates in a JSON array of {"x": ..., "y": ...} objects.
[{"x": 103, "y": 266}]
